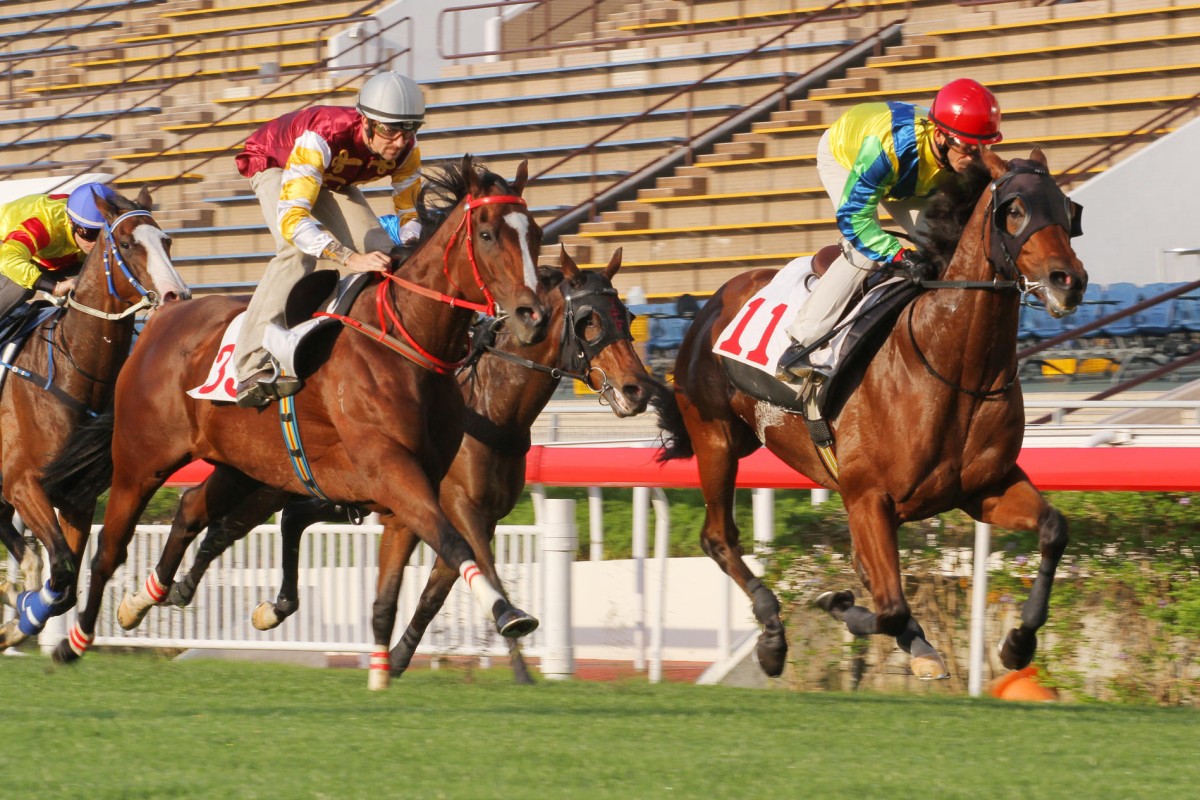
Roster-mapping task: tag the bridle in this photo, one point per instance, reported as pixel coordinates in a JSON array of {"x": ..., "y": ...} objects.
[
  {"x": 577, "y": 353},
  {"x": 1045, "y": 205},
  {"x": 386, "y": 311},
  {"x": 112, "y": 256}
]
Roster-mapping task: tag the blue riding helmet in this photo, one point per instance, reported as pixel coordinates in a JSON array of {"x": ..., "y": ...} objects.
[{"x": 81, "y": 205}]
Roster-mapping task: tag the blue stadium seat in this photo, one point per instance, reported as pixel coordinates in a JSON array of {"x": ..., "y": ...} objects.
[
  {"x": 1157, "y": 320},
  {"x": 1187, "y": 312},
  {"x": 1121, "y": 296}
]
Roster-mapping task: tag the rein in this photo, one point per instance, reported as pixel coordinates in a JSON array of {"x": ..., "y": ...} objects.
[
  {"x": 1022, "y": 180},
  {"x": 410, "y": 348}
]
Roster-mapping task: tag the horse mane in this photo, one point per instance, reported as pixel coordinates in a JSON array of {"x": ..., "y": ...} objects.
[
  {"x": 445, "y": 186},
  {"x": 948, "y": 211}
]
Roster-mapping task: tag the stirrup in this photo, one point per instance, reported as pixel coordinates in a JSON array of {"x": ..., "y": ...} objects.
[{"x": 794, "y": 365}]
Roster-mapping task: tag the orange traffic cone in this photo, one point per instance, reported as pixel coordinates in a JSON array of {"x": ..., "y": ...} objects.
[{"x": 1021, "y": 685}]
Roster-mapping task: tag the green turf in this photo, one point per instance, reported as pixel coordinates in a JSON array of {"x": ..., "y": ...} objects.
[{"x": 142, "y": 727}]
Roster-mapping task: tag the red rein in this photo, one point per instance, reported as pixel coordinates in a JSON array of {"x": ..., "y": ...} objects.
[{"x": 386, "y": 311}]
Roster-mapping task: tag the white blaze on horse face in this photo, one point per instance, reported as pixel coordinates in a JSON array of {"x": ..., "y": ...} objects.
[
  {"x": 162, "y": 271},
  {"x": 520, "y": 223}
]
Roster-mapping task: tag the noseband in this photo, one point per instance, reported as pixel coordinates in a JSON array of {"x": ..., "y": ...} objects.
[
  {"x": 575, "y": 357},
  {"x": 112, "y": 255}
]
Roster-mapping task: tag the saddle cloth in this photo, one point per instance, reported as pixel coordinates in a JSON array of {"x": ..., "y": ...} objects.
[{"x": 757, "y": 336}]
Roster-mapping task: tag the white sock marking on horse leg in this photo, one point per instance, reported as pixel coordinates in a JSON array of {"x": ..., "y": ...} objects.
[
  {"x": 485, "y": 594},
  {"x": 520, "y": 223}
]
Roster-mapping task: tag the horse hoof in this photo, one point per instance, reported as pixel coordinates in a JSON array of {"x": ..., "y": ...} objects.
[
  {"x": 10, "y": 634},
  {"x": 771, "y": 652},
  {"x": 182, "y": 592},
  {"x": 264, "y": 617},
  {"x": 64, "y": 654},
  {"x": 378, "y": 680},
  {"x": 515, "y": 623},
  {"x": 1018, "y": 648},
  {"x": 835, "y": 601},
  {"x": 929, "y": 667},
  {"x": 129, "y": 613}
]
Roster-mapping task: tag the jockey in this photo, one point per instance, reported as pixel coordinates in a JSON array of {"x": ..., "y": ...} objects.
[
  {"x": 305, "y": 168},
  {"x": 46, "y": 239},
  {"x": 890, "y": 154}
]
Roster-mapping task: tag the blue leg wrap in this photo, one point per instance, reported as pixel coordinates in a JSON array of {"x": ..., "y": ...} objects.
[{"x": 33, "y": 609}]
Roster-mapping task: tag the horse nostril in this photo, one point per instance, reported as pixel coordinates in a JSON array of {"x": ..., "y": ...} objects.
[{"x": 1062, "y": 279}]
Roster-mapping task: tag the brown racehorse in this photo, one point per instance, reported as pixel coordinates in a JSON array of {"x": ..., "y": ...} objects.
[
  {"x": 505, "y": 389},
  {"x": 935, "y": 421},
  {"x": 381, "y": 419},
  {"x": 63, "y": 373}
]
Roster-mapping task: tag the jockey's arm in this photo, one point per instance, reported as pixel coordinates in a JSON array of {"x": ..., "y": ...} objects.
[
  {"x": 16, "y": 261},
  {"x": 871, "y": 177},
  {"x": 406, "y": 186}
]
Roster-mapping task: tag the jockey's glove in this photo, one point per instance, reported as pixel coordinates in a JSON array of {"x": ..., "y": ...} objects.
[{"x": 914, "y": 266}]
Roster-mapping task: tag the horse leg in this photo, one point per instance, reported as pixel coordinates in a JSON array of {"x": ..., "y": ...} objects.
[
  {"x": 720, "y": 537},
  {"x": 418, "y": 506},
  {"x": 28, "y": 556},
  {"x": 77, "y": 529},
  {"x": 1016, "y": 504},
  {"x": 35, "y": 606},
  {"x": 297, "y": 515},
  {"x": 926, "y": 663},
  {"x": 395, "y": 548},
  {"x": 228, "y": 496},
  {"x": 876, "y": 559}
]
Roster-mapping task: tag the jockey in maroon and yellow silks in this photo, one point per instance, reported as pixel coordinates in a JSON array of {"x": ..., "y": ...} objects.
[
  {"x": 323, "y": 146},
  {"x": 37, "y": 239}
]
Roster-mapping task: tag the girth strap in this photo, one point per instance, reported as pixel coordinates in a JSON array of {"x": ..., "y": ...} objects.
[{"x": 295, "y": 448}]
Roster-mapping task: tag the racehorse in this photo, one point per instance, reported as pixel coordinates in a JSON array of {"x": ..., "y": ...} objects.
[
  {"x": 933, "y": 422},
  {"x": 64, "y": 372},
  {"x": 381, "y": 419},
  {"x": 505, "y": 387}
]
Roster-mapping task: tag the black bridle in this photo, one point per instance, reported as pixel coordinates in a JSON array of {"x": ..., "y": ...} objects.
[
  {"x": 1045, "y": 205},
  {"x": 581, "y": 305}
]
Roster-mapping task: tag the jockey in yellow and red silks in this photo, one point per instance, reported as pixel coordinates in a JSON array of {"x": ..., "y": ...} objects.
[
  {"x": 44, "y": 240},
  {"x": 305, "y": 168}
]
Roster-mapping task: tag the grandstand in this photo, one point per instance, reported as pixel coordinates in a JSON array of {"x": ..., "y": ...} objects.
[{"x": 683, "y": 131}]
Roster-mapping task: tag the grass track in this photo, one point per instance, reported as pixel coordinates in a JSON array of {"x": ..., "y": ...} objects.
[{"x": 141, "y": 727}]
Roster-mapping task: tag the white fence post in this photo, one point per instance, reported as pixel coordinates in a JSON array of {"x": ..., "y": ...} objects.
[
  {"x": 641, "y": 536},
  {"x": 762, "y": 503},
  {"x": 662, "y": 549},
  {"x": 979, "y": 591},
  {"x": 595, "y": 523},
  {"x": 559, "y": 542}
]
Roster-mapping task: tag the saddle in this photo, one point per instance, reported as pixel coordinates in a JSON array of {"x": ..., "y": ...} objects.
[
  {"x": 857, "y": 343},
  {"x": 15, "y": 329},
  {"x": 303, "y": 342}
]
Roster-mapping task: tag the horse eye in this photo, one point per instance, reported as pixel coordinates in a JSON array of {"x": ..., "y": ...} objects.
[
  {"x": 586, "y": 329},
  {"x": 126, "y": 245},
  {"x": 485, "y": 235}
]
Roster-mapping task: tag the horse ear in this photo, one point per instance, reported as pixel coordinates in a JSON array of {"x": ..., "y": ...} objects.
[
  {"x": 614, "y": 264},
  {"x": 145, "y": 200},
  {"x": 567, "y": 264},
  {"x": 1038, "y": 156},
  {"x": 470, "y": 177},
  {"x": 518, "y": 184},
  {"x": 106, "y": 208}
]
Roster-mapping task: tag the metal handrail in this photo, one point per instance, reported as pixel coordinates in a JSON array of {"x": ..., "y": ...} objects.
[{"x": 1172, "y": 113}]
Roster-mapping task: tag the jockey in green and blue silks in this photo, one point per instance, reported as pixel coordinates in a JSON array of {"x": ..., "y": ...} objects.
[{"x": 890, "y": 151}]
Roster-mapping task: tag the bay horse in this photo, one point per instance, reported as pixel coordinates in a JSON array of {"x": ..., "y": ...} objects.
[
  {"x": 505, "y": 386},
  {"x": 63, "y": 373},
  {"x": 381, "y": 419},
  {"x": 933, "y": 422}
]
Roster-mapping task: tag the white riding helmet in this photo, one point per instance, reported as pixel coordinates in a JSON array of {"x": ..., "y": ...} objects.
[{"x": 391, "y": 97}]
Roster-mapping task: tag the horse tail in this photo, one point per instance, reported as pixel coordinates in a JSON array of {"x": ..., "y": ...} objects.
[
  {"x": 676, "y": 443},
  {"x": 83, "y": 469}
]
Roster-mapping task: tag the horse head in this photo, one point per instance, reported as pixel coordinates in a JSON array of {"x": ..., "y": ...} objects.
[
  {"x": 1029, "y": 228},
  {"x": 599, "y": 340},
  {"x": 502, "y": 240},
  {"x": 133, "y": 256}
]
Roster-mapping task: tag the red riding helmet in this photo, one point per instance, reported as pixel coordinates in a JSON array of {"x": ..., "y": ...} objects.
[{"x": 965, "y": 109}]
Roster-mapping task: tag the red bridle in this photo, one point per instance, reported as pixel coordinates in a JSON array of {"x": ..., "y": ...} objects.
[{"x": 386, "y": 312}]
